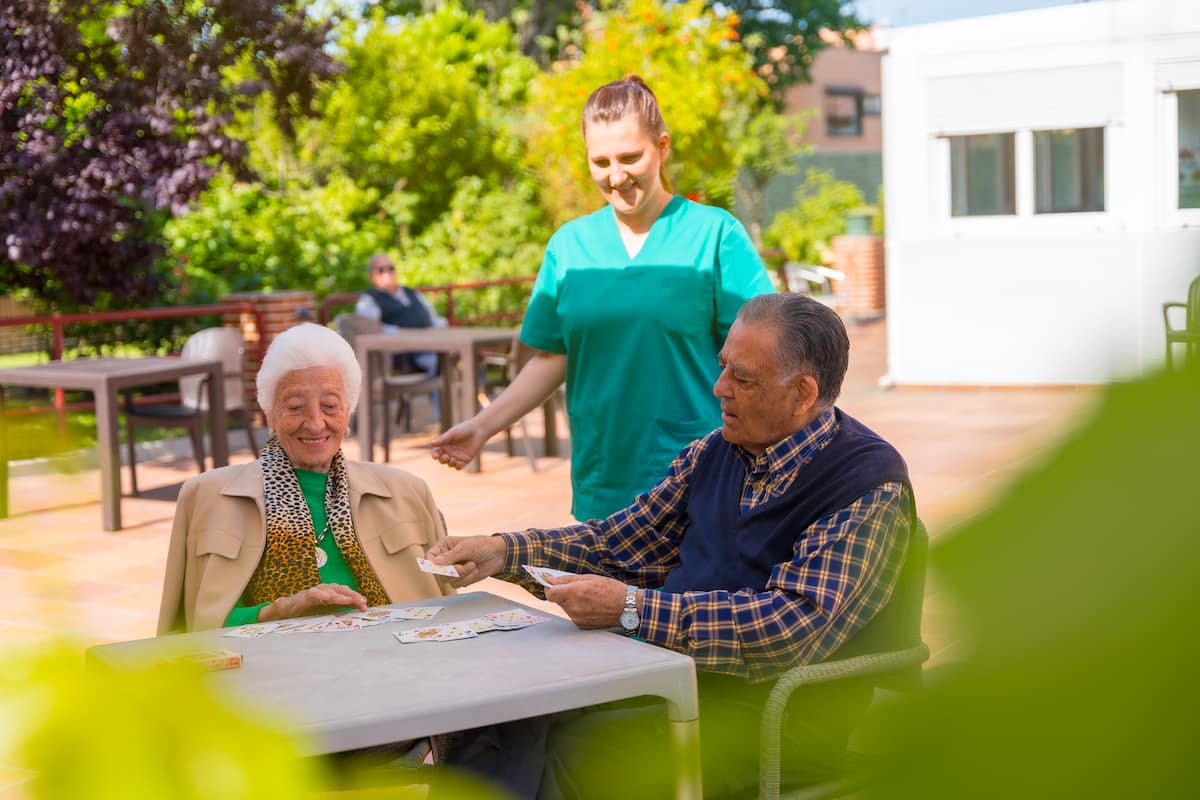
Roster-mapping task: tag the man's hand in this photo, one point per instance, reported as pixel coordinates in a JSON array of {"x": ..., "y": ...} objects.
[
  {"x": 320, "y": 599},
  {"x": 591, "y": 601},
  {"x": 475, "y": 557},
  {"x": 459, "y": 445}
]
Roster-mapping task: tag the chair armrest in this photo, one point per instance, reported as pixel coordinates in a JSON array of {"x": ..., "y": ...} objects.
[
  {"x": 1167, "y": 315},
  {"x": 808, "y": 675}
]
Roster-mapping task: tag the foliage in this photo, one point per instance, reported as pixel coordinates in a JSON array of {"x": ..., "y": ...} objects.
[
  {"x": 152, "y": 733},
  {"x": 502, "y": 230},
  {"x": 1077, "y": 595},
  {"x": 244, "y": 237},
  {"x": 786, "y": 35},
  {"x": 112, "y": 115},
  {"x": 700, "y": 73},
  {"x": 804, "y": 231},
  {"x": 767, "y": 148}
]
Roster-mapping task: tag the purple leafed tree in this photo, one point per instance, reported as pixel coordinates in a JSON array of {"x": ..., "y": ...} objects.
[{"x": 113, "y": 116}]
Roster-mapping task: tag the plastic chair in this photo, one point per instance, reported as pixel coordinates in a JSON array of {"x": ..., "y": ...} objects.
[
  {"x": 223, "y": 344},
  {"x": 1189, "y": 334},
  {"x": 400, "y": 387},
  {"x": 889, "y": 650}
]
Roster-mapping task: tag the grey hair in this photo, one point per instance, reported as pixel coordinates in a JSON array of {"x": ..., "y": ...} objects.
[
  {"x": 812, "y": 339},
  {"x": 303, "y": 346},
  {"x": 376, "y": 258}
]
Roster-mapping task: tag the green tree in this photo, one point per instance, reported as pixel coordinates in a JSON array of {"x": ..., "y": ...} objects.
[
  {"x": 804, "y": 231},
  {"x": 766, "y": 149},
  {"x": 700, "y": 73}
]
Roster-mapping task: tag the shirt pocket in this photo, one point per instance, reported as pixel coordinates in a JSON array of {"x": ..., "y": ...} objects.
[
  {"x": 218, "y": 543},
  {"x": 402, "y": 535}
]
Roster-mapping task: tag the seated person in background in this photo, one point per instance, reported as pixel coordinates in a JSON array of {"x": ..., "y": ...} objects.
[
  {"x": 769, "y": 543},
  {"x": 302, "y": 530},
  {"x": 398, "y": 307}
]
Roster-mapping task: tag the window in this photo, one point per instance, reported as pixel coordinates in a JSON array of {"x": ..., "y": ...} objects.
[
  {"x": 1189, "y": 148},
  {"x": 843, "y": 112},
  {"x": 871, "y": 105},
  {"x": 982, "y": 175},
  {"x": 1069, "y": 170}
]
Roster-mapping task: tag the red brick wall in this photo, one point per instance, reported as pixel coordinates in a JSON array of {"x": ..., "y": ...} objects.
[{"x": 279, "y": 311}]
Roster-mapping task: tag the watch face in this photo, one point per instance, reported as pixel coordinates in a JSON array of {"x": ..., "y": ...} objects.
[{"x": 629, "y": 619}]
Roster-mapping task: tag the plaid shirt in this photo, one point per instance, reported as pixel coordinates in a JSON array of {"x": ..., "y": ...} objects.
[{"x": 842, "y": 571}]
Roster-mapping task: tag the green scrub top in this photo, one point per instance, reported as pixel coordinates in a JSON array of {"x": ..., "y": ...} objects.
[{"x": 641, "y": 337}]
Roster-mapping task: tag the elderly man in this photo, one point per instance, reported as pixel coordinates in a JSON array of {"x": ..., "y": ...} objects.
[
  {"x": 302, "y": 530},
  {"x": 396, "y": 307},
  {"x": 769, "y": 543}
]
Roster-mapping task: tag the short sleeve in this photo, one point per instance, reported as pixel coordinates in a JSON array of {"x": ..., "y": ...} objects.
[
  {"x": 740, "y": 275},
  {"x": 542, "y": 328}
]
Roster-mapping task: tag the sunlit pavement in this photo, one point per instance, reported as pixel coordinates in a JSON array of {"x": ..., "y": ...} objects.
[{"x": 62, "y": 574}]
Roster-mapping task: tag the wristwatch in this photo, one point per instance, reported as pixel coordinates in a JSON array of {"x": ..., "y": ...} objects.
[{"x": 629, "y": 617}]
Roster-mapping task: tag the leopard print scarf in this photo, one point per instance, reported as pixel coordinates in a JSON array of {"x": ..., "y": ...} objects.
[{"x": 289, "y": 562}]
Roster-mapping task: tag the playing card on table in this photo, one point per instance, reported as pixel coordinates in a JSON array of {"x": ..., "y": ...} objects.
[
  {"x": 513, "y": 618},
  {"x": 416, "y": 612},
  {"x": 479, "y": 625},
  {"x": 426, "y": 565},
  {"x": 437, "y": 633},
  {"x": 251, "y": 631},
  {"x": 372, "y": 616},
  {"x": 303, "y": 624},
  {"x": 540, "y": 574},
  {"x": 343, "y": 624}
]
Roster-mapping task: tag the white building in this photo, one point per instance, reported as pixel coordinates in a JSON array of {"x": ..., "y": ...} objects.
[{"x": 1042, "y": 182}]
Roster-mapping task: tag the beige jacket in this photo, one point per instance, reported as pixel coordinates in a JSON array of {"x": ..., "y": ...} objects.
[{"x": 220, "y": 532}]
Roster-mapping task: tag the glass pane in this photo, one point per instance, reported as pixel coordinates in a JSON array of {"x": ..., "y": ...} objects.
[
  {"x": 1069, "y": 167},
  {"x": 842, "y": 116},
  {"x": 981, "y": 175},
  {"x": 1189, "y": 148}
]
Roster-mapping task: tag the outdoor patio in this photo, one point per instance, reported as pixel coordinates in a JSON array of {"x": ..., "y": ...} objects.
[{"x": 62, "y": 575}]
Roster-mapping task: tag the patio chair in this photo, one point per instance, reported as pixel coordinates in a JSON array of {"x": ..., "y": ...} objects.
[
  {"x": 1189, "y": 334},
  {"x": 888, "y": 650},
  {"x": 499, "y": 370},
  {"x": 398, "y": 386},
  {"x": 223, "y": 344}
]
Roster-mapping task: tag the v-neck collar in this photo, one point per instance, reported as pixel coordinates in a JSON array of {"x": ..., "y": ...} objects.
[{"x": 615, "y": 227}]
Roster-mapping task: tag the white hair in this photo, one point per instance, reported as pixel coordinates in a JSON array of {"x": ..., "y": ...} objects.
[{"x": 303, "y": 346}]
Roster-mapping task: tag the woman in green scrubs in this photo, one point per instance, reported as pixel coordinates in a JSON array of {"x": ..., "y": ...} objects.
[{"x": 630, "y": 308}]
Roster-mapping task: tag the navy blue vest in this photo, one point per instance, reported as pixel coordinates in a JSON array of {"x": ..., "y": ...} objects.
[
  {"x": 722, "y": 549},
  {"x": 393, "y": 312}
]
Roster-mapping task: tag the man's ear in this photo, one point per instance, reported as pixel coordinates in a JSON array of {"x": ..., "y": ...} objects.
[{"x": 807, "y": 392}]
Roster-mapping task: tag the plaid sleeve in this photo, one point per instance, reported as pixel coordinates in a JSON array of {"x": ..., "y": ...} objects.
[
  {"x": 638, "y": 544},
  {"x": 842, "y": 572}
]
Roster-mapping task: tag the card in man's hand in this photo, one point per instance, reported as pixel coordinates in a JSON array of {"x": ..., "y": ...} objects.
[
  {"x": 426, "y": 565},
  {"x": 540, "y": 574}
]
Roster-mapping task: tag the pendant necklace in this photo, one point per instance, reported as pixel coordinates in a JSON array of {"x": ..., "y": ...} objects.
[{"x": 322, "y": 558}]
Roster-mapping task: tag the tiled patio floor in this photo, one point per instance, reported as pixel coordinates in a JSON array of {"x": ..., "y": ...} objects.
[{"x": 61, "y": 574}]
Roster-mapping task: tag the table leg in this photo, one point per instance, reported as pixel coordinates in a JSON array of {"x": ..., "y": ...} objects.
[
  {"x": 685, "y": 744},
  {"x": 550, "y": 428},
  {"x": 466, "y": 392},
  {"x": 110, "y": 458},
  {"x": 218, "y": 425},
  {"x": 366, "y": 447},
  {"x": 3, "y": 461}
]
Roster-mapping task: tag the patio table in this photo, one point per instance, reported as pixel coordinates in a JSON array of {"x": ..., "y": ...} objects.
[
  {"x": 463, "y": 343},
  {"x": 105, "y": 378},
  {"x": 385, "y": 693}
]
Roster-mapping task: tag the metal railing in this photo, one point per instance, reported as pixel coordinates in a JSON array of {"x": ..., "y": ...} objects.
[
  {"x": 58, "y": 323},
  {"x": 448, "y": 289}
]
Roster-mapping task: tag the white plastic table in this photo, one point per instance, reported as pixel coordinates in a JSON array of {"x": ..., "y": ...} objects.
[{"x": 385, "y": 692}]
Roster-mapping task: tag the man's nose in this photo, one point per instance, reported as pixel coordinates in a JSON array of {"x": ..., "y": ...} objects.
[{"x": 721, "y": 387}]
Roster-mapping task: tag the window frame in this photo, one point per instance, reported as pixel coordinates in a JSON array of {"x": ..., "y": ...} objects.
[
  {"x": 1044, "y": 181},
  {"x": 856, "y": 95},
  {"x": 958, "y": 173}
]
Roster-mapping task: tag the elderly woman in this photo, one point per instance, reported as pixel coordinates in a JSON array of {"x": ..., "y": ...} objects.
[{"x": 301, "y": 530}]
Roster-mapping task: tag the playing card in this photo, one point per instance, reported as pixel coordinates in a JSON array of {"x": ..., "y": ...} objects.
[
  {"x": 343, "y": 624},
  {"x": 437, "y": 633},
  {"x": 479, "y": 625},
  {"x": 303, "y": 624},
  {"x": 540, "y": 574},
  {"x": 251, "y": 631},
  {"x": 512, "y": 619},
  {"x": 426, "y": 565},
  {"x": 416, "y": 612}
]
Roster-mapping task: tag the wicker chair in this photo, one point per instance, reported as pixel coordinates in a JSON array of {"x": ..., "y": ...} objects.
[{"x": 889, "y": 650}]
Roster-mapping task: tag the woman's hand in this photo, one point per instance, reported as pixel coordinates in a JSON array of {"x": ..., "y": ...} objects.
[
  {"x": 320, "y": 599},
  {"x": 458, "y": 446},
  {"x": 475, "y": 557}
]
